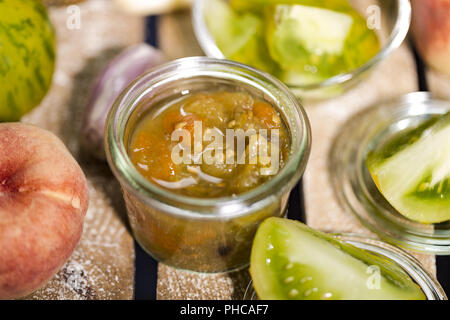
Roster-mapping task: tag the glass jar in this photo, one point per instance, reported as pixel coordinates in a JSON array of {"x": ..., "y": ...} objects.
[
  {"x": 197, "y": 234},
  {"x": 429, "y": 285},
  {"x": 354, "y": 187}
]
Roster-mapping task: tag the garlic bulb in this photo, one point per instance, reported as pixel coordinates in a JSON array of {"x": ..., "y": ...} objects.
[{"x": 119, "y": 73}]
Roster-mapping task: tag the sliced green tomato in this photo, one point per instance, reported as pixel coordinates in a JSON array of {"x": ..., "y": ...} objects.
[
  {"x": 231, "y": 32},
  {"x": 307, "y": 39},
  {"x": 320, "y": 29},
  {"x": 239, "y": 37},
  {"x": 413, "y": 172},
  {"x": 290, "y": 261},
  {"x": 318, "y": 41}
]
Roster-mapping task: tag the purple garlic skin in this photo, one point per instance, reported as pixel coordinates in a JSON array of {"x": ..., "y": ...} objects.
[{"x": 118, "y": 74}]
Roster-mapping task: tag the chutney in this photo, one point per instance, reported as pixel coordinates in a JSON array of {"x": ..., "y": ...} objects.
[{"x": 229, "y": 171}]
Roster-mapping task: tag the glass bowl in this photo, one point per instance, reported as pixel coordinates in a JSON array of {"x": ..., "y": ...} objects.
[
  {"x": 354, "y": 187},
  {"x": 429, "y": 285},
  {"x": 200, "y": 234},
  {"x": 395, "y": 18}
]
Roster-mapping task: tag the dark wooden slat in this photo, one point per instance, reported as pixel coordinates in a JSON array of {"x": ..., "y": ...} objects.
[
  {"x": 145, "y": 275},
  {"x": 151, "y": 31},
  {"x": 296, "y": 208},
  {"x": 146, "y": 268}
]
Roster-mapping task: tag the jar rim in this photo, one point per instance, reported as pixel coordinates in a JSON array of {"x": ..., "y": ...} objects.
[{"x": 184, "y": 69}]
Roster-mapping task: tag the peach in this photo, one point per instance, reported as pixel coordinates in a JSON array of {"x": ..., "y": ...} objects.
[
  {"x": 431, "y": 30},
  {"x": 43, "y": 201}
]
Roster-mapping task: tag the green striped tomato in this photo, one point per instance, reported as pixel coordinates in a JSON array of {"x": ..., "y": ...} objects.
[{"x": 27, "y": 56}]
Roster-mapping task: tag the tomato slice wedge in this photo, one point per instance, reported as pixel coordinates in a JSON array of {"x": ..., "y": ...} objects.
[
  {"x": 413, "y": 171},
  {"x": 290, "y": 261}
]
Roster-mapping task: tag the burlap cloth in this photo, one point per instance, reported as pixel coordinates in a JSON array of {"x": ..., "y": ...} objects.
[{"x": 102, "y": 267}]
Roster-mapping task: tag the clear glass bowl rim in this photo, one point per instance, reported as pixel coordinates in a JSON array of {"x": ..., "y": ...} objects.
[{"x": 396, "y": 38}]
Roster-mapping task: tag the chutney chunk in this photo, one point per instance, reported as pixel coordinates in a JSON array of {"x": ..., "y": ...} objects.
[
  {"x": 266, "y": 114},
  {"x": 175, "y": 120},
  {"x": 210, "y": 164},
  {"x": 151, "y": 156}
]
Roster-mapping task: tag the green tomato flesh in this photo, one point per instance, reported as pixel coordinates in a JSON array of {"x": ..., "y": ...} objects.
[
  {"x": 291, "y": 261},
  {"x": 412, "y": 171}
]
